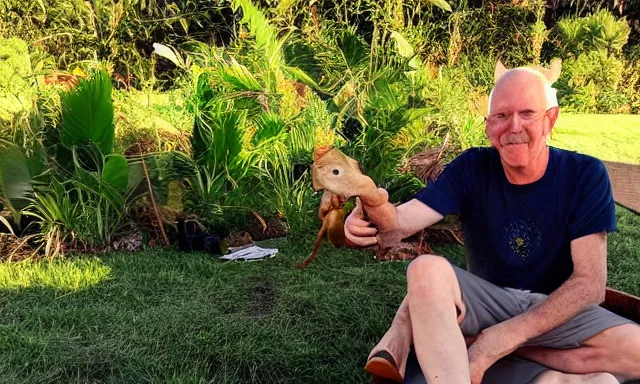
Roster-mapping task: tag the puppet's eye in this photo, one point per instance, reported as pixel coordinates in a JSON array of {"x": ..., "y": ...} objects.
[{"x": 336, "y": 172}]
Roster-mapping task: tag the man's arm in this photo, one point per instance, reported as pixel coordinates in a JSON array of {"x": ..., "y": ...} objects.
[
  {"x": 586, "y": 286},
  {"x": 413, "y": 216}
]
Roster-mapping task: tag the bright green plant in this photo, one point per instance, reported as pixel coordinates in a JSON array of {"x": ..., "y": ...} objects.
[
  {"x": 80, "y": 192},
  {"x": 16, "y": 90},
  {"x": 15, "y": 181},
  {"x": 599, "y": 31},
  {"x": 587, "y": 79},
  {"x": 606, "y": 33},
  {"x": 87, "y": 115},
  {"x": 571, "y": 36}
]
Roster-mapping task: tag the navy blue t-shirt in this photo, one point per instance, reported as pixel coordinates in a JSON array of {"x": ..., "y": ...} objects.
[{"x": 519, "y": 235}]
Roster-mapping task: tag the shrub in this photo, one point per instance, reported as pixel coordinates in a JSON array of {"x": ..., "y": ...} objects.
[
  {"x": 504, "y": 32},
  {"x": 120, "y": 32},
  {"x": 151, "y": 122},
  {"x": 601, "y": 31},
  {"x": 630, "y": 84},
  {"x": 16, "y": 91},
  {"x": 590, "y": 82}
]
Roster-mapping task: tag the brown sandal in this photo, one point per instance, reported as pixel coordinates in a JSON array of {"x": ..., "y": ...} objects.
[{"x": 384, "y": 369}]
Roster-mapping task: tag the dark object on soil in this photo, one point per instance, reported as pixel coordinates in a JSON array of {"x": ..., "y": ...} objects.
[
  {"x": 193, "y": 238},
  {"x": 427, "y": 165},
  {"x": 275, "y": 228},
  {"x": 299, "y": 170}
]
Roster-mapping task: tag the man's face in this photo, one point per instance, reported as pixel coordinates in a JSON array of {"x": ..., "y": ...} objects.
[{"x": 518, "y": 123}]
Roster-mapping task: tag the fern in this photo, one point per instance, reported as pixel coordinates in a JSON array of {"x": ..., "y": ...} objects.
[{"x": 265, "y": 34}]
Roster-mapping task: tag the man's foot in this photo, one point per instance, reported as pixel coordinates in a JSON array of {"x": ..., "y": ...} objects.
[{"x": 382, "y": 366}]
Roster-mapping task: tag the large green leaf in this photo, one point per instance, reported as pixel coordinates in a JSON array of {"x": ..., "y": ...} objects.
[
  {"x": 15, "y": 181},
  {"x": 402, "y": 45},
  {"x": 239, "y": 77},
  {"x": 270, "y": 127},
  {"x": 116, "y": 172},
  {"x": 441, "y": 4},
  {"x": 87, "y": 114},
  {"x": 217, "y": 139},
  {"x": 354, "y": 50}
]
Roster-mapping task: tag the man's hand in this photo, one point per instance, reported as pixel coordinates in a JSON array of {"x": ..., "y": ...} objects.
[
  {"x": 412, "y": 217},
  {"x": 359, "y": 231},
  {"x": 490, "y": 346}
]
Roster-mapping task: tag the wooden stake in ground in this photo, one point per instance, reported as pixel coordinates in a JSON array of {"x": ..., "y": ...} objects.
[{"x": 155, "y": 205}]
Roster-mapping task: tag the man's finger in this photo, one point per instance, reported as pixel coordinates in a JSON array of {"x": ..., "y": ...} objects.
[
  {"x": 359, "y": 230},
  {"x": 361, "y": 241},
  {"x": 354, "y": 220},
  {"x": 357, "y": 211},
  {"x": 357, "y": 222}
]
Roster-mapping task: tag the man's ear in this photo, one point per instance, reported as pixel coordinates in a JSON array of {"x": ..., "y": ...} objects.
[{"x": 552, "y": 114}]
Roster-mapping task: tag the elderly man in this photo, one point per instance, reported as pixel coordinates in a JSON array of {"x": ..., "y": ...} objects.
[{"x": 535, "y": 220}]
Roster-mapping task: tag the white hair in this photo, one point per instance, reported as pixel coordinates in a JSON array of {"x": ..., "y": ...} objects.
[{"x": 550, "y": 92}]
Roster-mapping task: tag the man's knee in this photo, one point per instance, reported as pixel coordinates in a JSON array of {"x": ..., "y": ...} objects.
[
  {"x": 433, "y": 277},
  {"x": 429, "y": 270},
  {"x": 619, "y": 349},
  {"x": 555, "y": 377}
]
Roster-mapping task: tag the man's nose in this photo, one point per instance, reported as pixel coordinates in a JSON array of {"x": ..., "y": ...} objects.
[{"x": 515, "y": 123}]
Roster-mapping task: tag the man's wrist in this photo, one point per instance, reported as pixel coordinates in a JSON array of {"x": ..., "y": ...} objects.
[{"x": 515, "y": 331}]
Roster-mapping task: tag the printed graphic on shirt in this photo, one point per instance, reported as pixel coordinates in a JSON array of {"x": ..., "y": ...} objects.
[{"x": 521, "y": 241}]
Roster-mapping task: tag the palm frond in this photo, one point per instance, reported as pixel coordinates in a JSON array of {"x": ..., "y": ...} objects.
[
  {"x": 15, "y": 181},
  {"x": 87, "y": 114}
]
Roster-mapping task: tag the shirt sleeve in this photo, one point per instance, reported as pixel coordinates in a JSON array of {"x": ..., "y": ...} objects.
[
  {"x": 446, "y": 193},
  {"x": 595, "y": 209}
]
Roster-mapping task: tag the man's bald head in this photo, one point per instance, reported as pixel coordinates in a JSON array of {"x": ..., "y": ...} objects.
[
  {"x": 524, "y": 80},
  {"x": 522, "y": 112}
]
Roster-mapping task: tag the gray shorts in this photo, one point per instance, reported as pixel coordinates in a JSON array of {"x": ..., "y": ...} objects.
[{"x": 487, "y": 304}]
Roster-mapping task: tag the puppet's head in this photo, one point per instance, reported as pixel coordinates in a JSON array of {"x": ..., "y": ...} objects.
[{"x": 338, "y": 173}]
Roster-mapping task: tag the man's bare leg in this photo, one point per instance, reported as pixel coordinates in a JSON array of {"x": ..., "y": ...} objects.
[
  {"x": 615, "y": 350},
  {"x": 555, "y": 377},
  {"x": 396, "y": 342},
  {"x": 433, "y": 295}
]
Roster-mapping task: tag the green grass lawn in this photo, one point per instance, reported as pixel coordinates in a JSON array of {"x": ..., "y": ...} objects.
[
  {"x": 608, "y": 137},
  {"x": 167, "y": 317}
]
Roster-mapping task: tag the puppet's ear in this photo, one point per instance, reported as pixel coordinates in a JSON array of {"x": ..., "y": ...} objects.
[
  {"x": 320, "y": 151},
  {"x": 500, "y": 70},
  {"x": 554, "y": 72}
]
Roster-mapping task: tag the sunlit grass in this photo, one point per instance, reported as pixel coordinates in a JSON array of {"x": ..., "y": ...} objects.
[
  {"x": 607, "y": 137},
  {"x": 63, "y": 275}
]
